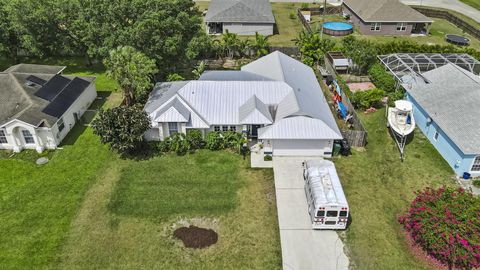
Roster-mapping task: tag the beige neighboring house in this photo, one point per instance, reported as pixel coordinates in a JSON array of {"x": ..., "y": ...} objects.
[
  {"x": 386, "y": 17},
  {"x": 40, "y": 105}
]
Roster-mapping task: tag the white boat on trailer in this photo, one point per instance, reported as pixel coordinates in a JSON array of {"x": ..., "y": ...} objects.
[
  {"x": 401, "y": 122},
  {"x": 327, "y": 205}
]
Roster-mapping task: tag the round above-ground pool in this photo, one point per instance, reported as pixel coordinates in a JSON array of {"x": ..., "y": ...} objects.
[
  {"x": 458, "y": 40},
  {"x": 337, "y": 28}
]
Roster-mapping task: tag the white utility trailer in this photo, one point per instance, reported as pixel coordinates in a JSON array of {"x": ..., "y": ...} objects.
[{"x": 327, "y": 205}]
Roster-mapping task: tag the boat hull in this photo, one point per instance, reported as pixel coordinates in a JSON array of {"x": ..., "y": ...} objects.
[{"x": 401, "y": 129}]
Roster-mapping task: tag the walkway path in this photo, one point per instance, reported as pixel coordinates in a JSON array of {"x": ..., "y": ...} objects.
[{"x": 302, "y": 247}]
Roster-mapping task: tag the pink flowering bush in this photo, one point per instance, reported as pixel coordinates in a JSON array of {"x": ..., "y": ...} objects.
[{"x": 445, "y": 222}]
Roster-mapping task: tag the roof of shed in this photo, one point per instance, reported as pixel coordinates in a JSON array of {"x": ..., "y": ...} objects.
[
  {"x": 450, "y": 98},
  {"x": 385, "y": 11},
  {"x": 253, "y": 11}
]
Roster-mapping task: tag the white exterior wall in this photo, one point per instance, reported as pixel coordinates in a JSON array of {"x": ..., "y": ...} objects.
[
  {"x": 320, "y": 148},
  {"x": 265, "y": 29},
  {"x": 47, "y": 138},
  {"x": 79, "y": 106}
]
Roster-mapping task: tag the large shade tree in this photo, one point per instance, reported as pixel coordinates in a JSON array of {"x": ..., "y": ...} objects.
[
  {"x": 122, "y": 128},
  {"x": 162, "y": 28},
  {"x": 9, "y": 37},
  {"x": 132, "y": 70}
]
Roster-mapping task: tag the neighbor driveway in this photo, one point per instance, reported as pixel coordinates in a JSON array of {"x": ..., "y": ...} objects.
[{"x": 302, "y": 247}]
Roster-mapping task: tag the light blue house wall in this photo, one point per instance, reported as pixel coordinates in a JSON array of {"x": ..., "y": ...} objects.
[{"x": 459, "y": 162}]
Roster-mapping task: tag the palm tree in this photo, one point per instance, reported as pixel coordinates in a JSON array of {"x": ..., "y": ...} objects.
[
  {"x": 230, "y": 43},
  {"x": 260, "y": 45},
  {"x": 199, "y": 69}
]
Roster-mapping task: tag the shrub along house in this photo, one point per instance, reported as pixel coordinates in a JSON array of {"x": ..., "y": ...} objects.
[
  {"x": 39, "y": 105},
  {"x": 385, "y": 17},
  {"x": 275, "y": 99},
  {"x": 446, "y": 109},
  {"x": 242, "y": 17}
]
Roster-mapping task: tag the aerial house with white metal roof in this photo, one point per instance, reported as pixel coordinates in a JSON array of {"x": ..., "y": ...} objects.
[{"x": 275, "y": 99}]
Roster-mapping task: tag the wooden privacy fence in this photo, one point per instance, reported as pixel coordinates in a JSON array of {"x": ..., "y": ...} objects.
[
  {"x": 292, "y": 51},
  {"x": 306, "y": 25},
  {"x": 355, "y": 138},
  {"x": 442, "y": 14},
  {"x": 358, "y": 136}
]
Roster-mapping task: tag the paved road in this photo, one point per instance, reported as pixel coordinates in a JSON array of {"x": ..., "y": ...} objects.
[
  {"x": 302, "y": 247},
  {"x": 455, "y": 5}
]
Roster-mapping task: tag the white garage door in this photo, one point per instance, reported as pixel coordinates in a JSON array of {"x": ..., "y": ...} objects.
[{"x": 302, "y": 148}]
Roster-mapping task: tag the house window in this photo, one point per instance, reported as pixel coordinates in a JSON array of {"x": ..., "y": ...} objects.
[
  {"x": 60, "y": 124},
  {"x": 216, "y": 128},
  {"x": 375, "y": 27},
  {"x": 172, "y": 128},
  {"x": 233, "y": 128},
  {"x": 401, "y": 27},
  {"x": 476, "y": 164},
  {"x": 435, "y": 137},
  {"x": 224, "y": 128},
  {"x": 28, "y": 137},
  {"x": 3, "y": 137}
]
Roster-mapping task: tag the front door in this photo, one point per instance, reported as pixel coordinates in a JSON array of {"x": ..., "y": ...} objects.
[{"x": 254, "y": 131}]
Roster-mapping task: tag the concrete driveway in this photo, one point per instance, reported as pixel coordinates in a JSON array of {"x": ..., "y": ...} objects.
[{"x": 302, "y": 247}]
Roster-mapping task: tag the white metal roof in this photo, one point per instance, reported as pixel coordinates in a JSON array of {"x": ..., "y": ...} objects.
[
  {"x": 231, "y": 75},
  {"x": 324, "y": 183},
  {"x": 286, "y": 93},
  {"x": 298, "y": 127},
  {"x": 254, "y": 111},
  {"x": 174, "y": 111},
  {"x": 218, "y": 102},
  {"x": 308, "y": 99}
]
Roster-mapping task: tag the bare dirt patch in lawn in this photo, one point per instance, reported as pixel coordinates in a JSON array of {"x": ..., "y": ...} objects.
[{"x": 195, "y": 237}]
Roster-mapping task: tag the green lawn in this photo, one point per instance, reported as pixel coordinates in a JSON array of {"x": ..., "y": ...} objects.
[
  {"x": 37, "y": 203},
  {"x": 379, "y": 187},
  {"x": 166, "y": 191},
  {"x": 127, "y": 218},
  {"x": 473, "y": 3}
]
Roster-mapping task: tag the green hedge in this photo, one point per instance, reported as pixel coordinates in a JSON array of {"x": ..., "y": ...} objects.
[
  {"x": 381, "y": 78},
  {"x": 366, "y": 99}
]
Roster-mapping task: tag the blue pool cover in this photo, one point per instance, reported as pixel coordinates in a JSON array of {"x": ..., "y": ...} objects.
[{"x": 339, "y": 26}]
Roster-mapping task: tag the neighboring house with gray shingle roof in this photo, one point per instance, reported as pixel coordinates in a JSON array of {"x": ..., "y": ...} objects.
[
  {"x": 242, "y": 17},
  {"x": 385, "y": 17},
  {"x": 446, "y": 108},
  {"x": 40, "y": 105},
  {"x": 275, "y": 99}
]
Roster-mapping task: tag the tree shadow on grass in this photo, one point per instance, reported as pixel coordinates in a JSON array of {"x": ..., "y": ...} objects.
[{"x": 144, "y": 151}]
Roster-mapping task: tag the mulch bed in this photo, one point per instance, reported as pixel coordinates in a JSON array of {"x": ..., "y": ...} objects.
[{"x": 195, "y": 237}]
